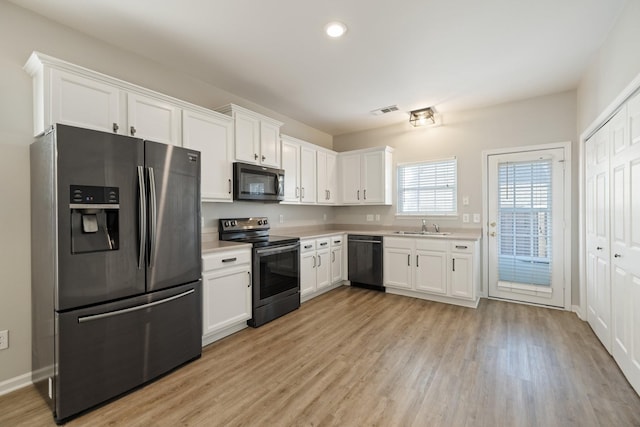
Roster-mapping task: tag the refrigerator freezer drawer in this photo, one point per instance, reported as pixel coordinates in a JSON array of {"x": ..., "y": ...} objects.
[{"x": 107, "y": 350}]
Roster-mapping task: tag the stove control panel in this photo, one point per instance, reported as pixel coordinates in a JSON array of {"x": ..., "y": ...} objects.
[{"x": 244, "y": 224}]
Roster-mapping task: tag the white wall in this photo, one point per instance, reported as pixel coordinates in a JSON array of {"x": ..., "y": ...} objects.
[
  {"x": 613, "y": 67},
  {"x": 21, "y": 32},
  {"x": 465, "y": 135}
]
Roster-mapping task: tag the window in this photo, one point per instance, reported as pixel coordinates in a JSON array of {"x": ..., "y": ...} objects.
[{"x": 428, "y": 188}]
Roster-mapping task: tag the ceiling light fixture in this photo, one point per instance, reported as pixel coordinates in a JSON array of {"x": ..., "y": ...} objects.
[
  {"x": 335, "y": 29},
  {"x": 422, "y": 117}
]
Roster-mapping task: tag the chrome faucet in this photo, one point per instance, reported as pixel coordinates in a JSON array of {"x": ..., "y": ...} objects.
[
  {"x": 424, "y": 225},
  {"x": 436, "y": 227}
]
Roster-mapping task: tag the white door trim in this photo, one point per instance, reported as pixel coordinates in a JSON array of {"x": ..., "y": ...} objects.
[{"x": 567, "y": 212}]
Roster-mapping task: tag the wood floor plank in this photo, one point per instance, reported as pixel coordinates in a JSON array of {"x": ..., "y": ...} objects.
[{"x": 355, "y": 357}]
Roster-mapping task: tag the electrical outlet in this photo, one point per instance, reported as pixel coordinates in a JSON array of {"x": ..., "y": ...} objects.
[
  {"x": 377, "y": 217},
  {"x": 281, "y": 219},
  {"x": 4, "y": 339},
  {"x": 369, "y": 217},
  {"x": 465, "y": 218},
  {"x": 324, "y": 216},
  {"x": 476, "y": 218}
]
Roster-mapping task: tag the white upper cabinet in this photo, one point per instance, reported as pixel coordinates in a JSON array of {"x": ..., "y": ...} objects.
[
  {"x": 212, "y": 135},
  {"x": 327, "y": 173},
  {"x": 366, "y": 176},
  {"x": 257, "y": 137},
  {"x": 81, "y": 102},
  {"x": 308, "y": 175},
  {"x": 291, "y": 166},
  {"x": 153, "y": 119}
]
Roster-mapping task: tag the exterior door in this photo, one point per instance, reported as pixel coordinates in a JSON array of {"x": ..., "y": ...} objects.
[
  {"x": 174, "y": 215},
  {"x": 526, "y": 226}
]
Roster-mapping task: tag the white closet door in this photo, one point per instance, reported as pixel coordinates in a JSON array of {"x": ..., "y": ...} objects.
[
  {"x": 625, "y": 240},
  {"x": 597, "y": 236}
]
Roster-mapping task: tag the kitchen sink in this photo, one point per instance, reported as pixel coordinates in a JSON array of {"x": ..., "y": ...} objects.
[{"x": 424, "y": 233}]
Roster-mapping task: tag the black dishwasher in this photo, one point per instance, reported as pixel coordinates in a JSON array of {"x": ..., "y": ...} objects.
[{"x": 365, "y": 261}]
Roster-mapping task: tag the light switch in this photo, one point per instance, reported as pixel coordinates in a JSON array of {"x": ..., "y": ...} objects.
[
  {"x": 465, "y": 201},
  {"x": 281, "y": 219},
  {"x": 369, "y": 217},
  {"x": 476, "y": 218},
  {"x": 377, "y": 217}
]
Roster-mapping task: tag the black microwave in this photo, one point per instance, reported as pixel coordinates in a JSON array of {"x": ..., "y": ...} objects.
[{"x": 255, "y": 182}]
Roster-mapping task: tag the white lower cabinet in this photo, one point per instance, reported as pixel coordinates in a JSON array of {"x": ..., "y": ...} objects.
[
  {"x": 321, "y": 265},
  {"x": 440, "y": 270},
  {"x": 226, "y": 293}
]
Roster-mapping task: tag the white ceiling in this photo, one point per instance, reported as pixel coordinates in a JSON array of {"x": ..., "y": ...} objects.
[{"x": 451, "y": 54}]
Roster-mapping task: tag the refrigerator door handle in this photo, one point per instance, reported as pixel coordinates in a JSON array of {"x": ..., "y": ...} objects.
[
  {"x": 142, "y": 217},
  {"x": 153, "y": 216},
  {"x": 130, "y": 309}
]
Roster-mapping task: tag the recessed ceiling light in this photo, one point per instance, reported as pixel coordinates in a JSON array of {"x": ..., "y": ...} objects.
[{"x": 335, "y": 29}]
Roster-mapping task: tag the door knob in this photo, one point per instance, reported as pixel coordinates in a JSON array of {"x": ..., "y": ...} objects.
[{"x": 617, "y": 256}]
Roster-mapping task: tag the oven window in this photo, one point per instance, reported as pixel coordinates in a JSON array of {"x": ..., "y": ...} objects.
[
  {"x": 253, "y": 182},
  {"x": 279, "y": 273}
]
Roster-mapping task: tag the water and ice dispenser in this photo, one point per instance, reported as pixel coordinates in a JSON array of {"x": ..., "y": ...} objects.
[{"x": 94, "y": 218}]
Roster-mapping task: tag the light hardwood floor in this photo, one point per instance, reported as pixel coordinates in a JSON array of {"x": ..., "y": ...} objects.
[{"x": 355, "y": 357}]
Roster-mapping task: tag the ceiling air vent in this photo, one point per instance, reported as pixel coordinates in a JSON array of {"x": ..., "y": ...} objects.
[{"x": 385, "y": 110}]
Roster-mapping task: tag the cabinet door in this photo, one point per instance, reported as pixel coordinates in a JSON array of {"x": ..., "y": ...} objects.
[
  {"x": 397, "y": 268},
  {"x": 226, "y": 298},
  {"x": 153, "y": 119},
  {"x": 350, "y": 173},
  {"x": 247, "y": 138},
  {"x": 321, "y": 174},
  {"x": 431, "y": 271},
  {"x": 372, "y": 177},
  {"x": 331, "y": 174},
  {"x": 213, "y": 137},
  {"x": 291, "y": 166},
  {"x": 270, "y": 145},
  {"x": 81, "y": 102},
  {"x": 323, "y": 268},
  {"x": 307, "y": 273},
  {"x": 461, "y": 276},
  {"x": 307, "y": 175},
  {"x": 336, "y": 264}
]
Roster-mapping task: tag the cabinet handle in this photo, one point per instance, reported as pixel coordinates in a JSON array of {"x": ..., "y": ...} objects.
[
  {"x": 337, "y": 242},
  {"x": 454, "y": 264},
  {"x": 333, "y": 257},
  {"x": 365, "y": 194},
  {"x": 323, "y": 244},
  {"x": 461, "y": 247},
  {"x": 302, "y": 192},
  {"x": 409, "y": 260},
  {"x": 319, "y": 260},
  {"x": 230, "y": 259},
  {"x": 617, "y": 256},
  {"x": 417, "y": 260},
  {"x": 255, "y": 156},
  {"x": 264, "y": 158},
  {"x": 115, "y": 128},
  {"x": 297, "y": 192},
  {"x": 307, "y": 246},
  {"x": 358, "y": 194},
  {"x": 250, "y": 279},
  {"x": 133, "y": 131},
  {"x": 314, "y": 261},
  {"x": 230, "y": 187},
  {"x": 598, "y": 248}
]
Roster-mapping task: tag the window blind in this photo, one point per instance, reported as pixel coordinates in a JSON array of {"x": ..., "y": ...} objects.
[
  {"x": 428, "y": 188},
  {"x": 524, "y": 222}
]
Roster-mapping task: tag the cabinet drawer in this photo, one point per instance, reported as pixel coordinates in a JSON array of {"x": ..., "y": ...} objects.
[
  {"x": 322, "y": 243},
  {"x": 307, "y": 246},
  {"x": 337, "y": 240},
  {"x": 462, "y": 246},
  {"x": 225, "y": 259},
  {"x": 398, "y": 242}
]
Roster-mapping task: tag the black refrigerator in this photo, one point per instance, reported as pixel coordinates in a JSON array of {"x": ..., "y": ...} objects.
[{"x": 116, "y": 264}]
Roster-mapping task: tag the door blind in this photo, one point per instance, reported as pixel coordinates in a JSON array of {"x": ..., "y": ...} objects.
[{"x": 524, "y": 222}]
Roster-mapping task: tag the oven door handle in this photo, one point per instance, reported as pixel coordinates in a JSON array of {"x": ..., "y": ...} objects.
[{"x": 277, "y": 250}]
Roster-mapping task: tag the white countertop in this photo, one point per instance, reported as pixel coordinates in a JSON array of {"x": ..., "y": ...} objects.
[
  {"x": 316, "y": 234},
  {"x": 221, "y": 245}
]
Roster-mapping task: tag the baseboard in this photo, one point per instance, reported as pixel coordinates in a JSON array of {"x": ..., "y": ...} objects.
[
  {"x": 578, "y": 311},
  {"x": 15, "y": 383}
]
